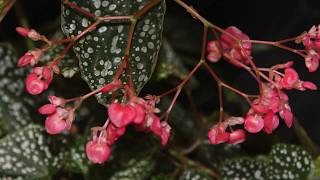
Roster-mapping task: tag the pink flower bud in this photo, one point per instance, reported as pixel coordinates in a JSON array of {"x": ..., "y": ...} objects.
[
  {"x": 34, "y": 85},
  {"x": 97, "y": 152},
  {"x": 121, "y": 114},
  {"x": 47, "y": 75},
  {"x": 238, "y": 136},
  {"x": 30, "y": 33},
  {"x": 23, "y": 31},
  {"x": 253, "y": 123},
  {"x": 47, "y": 109},
  {"x": 309, "y": 85}
]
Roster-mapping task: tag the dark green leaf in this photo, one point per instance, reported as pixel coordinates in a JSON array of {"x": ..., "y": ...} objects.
[
  {"x": 76, "y": 159},
  {"x": 136, "y": 169},
  {"x": 101, "y": 51},
  {"x": 162, "y": 177},
  {"x": 289, "y": 162},
  {"x": 243, "y": 169},
  {"x": 193, "y": 174},
  {"x": 26, "y": 153},
  {"x": 14, "y": 113}
]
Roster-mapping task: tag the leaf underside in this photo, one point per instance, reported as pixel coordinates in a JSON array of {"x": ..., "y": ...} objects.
[{"x": 101, "y": 51}]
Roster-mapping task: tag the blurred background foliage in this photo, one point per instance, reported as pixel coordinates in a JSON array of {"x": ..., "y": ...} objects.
[{"x": 188, "y": 155}]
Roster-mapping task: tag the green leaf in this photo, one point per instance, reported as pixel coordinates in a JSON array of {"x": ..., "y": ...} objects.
[
  {"x": 26, "y": 153},
  {"x": 69, "y": 66},
  {"x": 76, "y": 160},
  {"x": 289, "y": 162},
  {"x": 162, "y": 177},
  {"x": 101, "y": 51},
  {"x": 136, "y": 169},
  {"x": 243, "y": 169},
  {"x": 14, "y": 112},
  {"x": 193, "y": 174}
]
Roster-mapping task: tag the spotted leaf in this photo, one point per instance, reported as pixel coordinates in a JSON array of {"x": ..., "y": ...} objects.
[
  {"x": 76, "y": 159},
  {"x": 243, "y": 169},
  {"x": 136, "y": 169},
  {"x": 14, "y": 112},
  {"x": 101, "y": 51},
  {"x": 26, "y": 153},
  {"x": 192, "y": 174},
  {"x": 289, "y": 162}
]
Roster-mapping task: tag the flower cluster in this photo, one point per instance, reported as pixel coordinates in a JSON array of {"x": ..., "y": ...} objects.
[
  {"x": 139, "y": 112},
  {"x": 59, "y": 118},
  {"x": 272, "y": 102},
  {"x": 230, "y": 47},
  {"x": 311, "y": 41}
]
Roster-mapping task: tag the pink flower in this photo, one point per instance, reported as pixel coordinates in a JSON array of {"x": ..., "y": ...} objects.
[
  {"x": 156, "y": 125},
  {"x": 113, "y": 133},
  {"x": 97, "y": 152},
  {"x": 312, "y": 60},
  {"x": 121, "y": 114},
  {"x": 56, "y": 101},
  {"x": 271, "y": 122},
  {"x": 309, "y": 85},
  {"x": 140, "y": 114},
  {"x": 56, "y": 123},
  {"x": 38, "y": 80},
  {"x": 34, "y": 85},
  {"x": 165, "y": 132},
  {"x": 47, "y": 109},
  {"x": 236, "y": 137},
  {"x": 253, "y": 123},
  {"x": 31, "y": 57},
  {"x": 290, "y": 78},
  {"x": 286, "y": 115},
  {"x": 235, "y": 53},
  {"x": 217, "y": 134}
]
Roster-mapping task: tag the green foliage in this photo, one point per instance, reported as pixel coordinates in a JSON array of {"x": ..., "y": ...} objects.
[
  {"x": 193, "y": 174},
  {"x": 136, "y": 169},
  {"x": 289, "y": 162},
  {"x": 243, "y": 168},
  {"x": 26, "y": 153},
  {"x": 101, "y": 51},
  {"x": 284, "y": 162},
  {"x": 14, "y": 112}
]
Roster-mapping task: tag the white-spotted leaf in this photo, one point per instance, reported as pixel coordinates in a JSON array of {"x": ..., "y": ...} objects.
[{"x": 101, "y": 51}]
